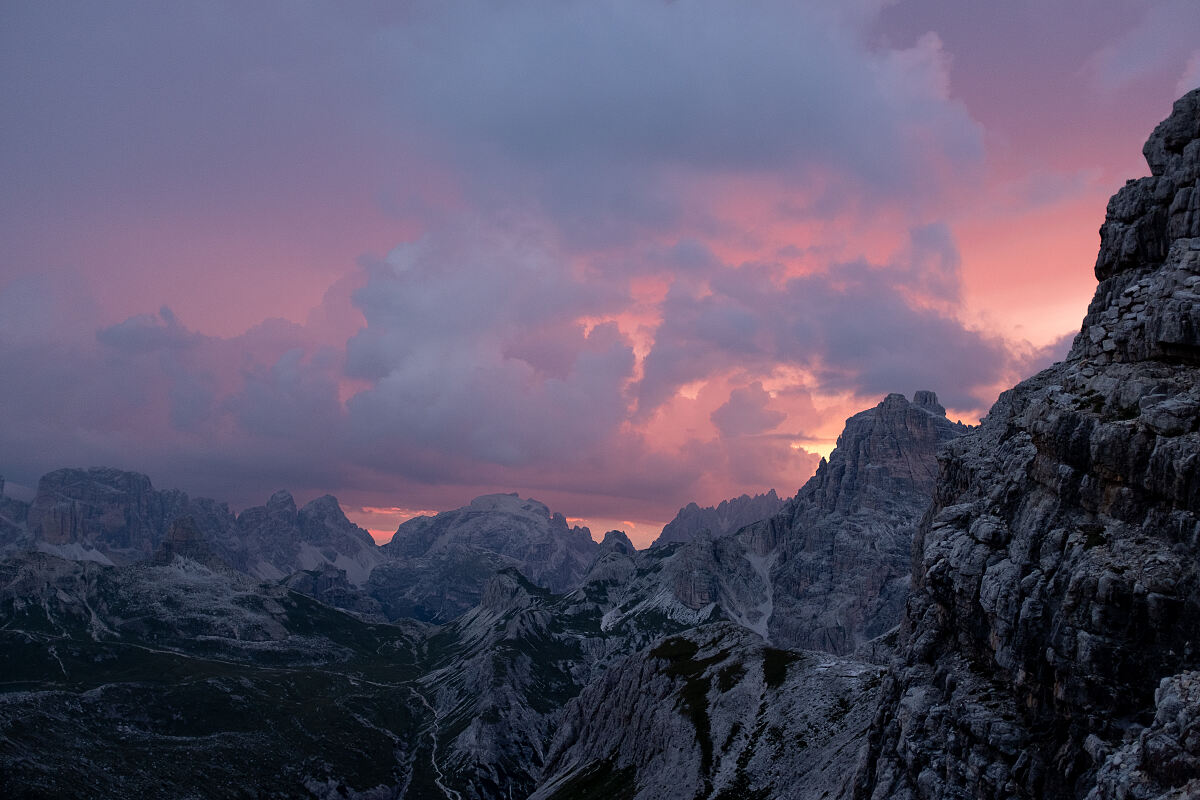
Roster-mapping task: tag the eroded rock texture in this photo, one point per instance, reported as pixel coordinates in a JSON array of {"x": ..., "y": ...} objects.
[
  {"x": 718, "y": 520},
  {"x": 439, "y": 565},
  {"x": 1056, "y": 595},
  {"x": 843, "y": 543}
]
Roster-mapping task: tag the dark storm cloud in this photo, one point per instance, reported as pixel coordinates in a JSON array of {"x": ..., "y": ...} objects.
[{"x": 711, "y": 85}]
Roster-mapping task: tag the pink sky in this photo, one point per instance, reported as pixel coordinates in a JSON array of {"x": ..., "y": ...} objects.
[{"x": 618, "y": 255}]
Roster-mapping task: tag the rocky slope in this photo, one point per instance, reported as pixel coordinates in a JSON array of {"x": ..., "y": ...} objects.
[
  {"x": 718, "y": 520},
  {"x": 1051, "y": 641},
  {"x": 842, "y": 547},
  {"x": 174, "y": 679},
  {"x": 713, "y": 712},
  {"x": 522, "y": 692}
]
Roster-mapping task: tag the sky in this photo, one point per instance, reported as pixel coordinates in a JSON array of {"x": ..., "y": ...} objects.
[{"x": 615, "y": 255}]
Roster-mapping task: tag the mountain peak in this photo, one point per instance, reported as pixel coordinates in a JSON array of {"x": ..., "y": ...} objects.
[
  {"x": 282, "y": 500},
  {"x": 692, "y": 521},
  {"x": 618, "y": 541},
  {"x": 929, "y": 401},
  {"x": 509, "y": 590}
]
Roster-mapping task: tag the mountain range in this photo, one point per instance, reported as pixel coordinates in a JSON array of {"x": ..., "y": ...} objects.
[{"x": 1010, "y": 610}]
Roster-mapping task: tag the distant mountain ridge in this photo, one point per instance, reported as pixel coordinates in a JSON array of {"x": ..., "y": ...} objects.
[
  {"x": 555, "y": 667},
  {"x": 438, "y": 565},
  {"x": 727, "y": 517},
  {"x": 117, "y": 517}
]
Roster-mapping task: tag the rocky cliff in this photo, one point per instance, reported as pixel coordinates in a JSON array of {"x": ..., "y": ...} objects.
[
  {"x": 116, "y": 517},
  {"x": 1051, "y": 640},
  {"x": 829, "y": 571},
  {"x": 843, "y": 544},
  {"x": 279, "y": 539},
  {"x": 718, "y": 520},
  {"x": 438, "y": 565},
  {"x": 713, "y": 713}
]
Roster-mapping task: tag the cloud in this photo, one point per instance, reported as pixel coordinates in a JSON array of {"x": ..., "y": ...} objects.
[
  {"x": 698, "y": 83},
  {"x": 858, "y": 328},
  {"x": 603, "y": 113},
  {"x": 626, "y": 243},
  {"x": 475, "y": 347},
  {"x": 146, "y": 333},
  {"x": 746, "y": 412},
  {"x": 1163, "y": 36},
  {"x": 1190, "y": 79}
]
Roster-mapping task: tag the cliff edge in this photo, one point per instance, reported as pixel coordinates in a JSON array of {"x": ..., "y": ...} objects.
[{"x": 1051, "y": 639}]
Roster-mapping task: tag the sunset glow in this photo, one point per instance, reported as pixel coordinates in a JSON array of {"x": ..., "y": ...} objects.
[{"x": 411, "y": 253}]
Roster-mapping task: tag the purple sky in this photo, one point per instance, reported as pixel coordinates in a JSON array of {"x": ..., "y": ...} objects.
[{"x": 614, "y": 255}]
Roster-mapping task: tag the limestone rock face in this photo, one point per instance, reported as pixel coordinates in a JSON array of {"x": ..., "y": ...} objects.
[
  {"x": 829, "y": 571},
  {"x": 115, "y": 517},
  {"x": 844, "y": 542},
  {"x": 280, "y": 539},
  {"x": 713, "y": 712},
  {"x": 439, "y": 564},
  {"x": 719, "y": 520},
  {"x": 1056, "y": 595},
  {"x": 1152, "y": 765},
  {"x": 118, "y": 514},
  {"x": 329, "y": 585},
  {"x": 617, "y": 542}
]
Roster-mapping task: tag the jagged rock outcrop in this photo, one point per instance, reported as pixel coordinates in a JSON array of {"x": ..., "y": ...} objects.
[
  {"x": 329, "y": 584},
  {"x": 1056, "y": 589},
  {"x": 843, "y": 544},
  {"x": 617, "y": 542},
  {"x": 719, "y": 520},
  {"x": 116, "y": 517},
  {"x": 115, "y": 514},
  {"x": 440, "y": 564},
  {"x": 279, "y": 539},
  {"x": 830, "y": 570}
]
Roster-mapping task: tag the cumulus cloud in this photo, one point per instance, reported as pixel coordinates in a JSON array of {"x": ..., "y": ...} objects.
[
  {"x": 605, "y": 113},
  {"x": 706, "y": 84},
  {"x": 1164, "y": 34},
  {"x": 474, "y": 347},
  {"x": 146, "y": 333},
  {"x": 859, "y": 328},
  {"x": 747, "y": 411}
]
